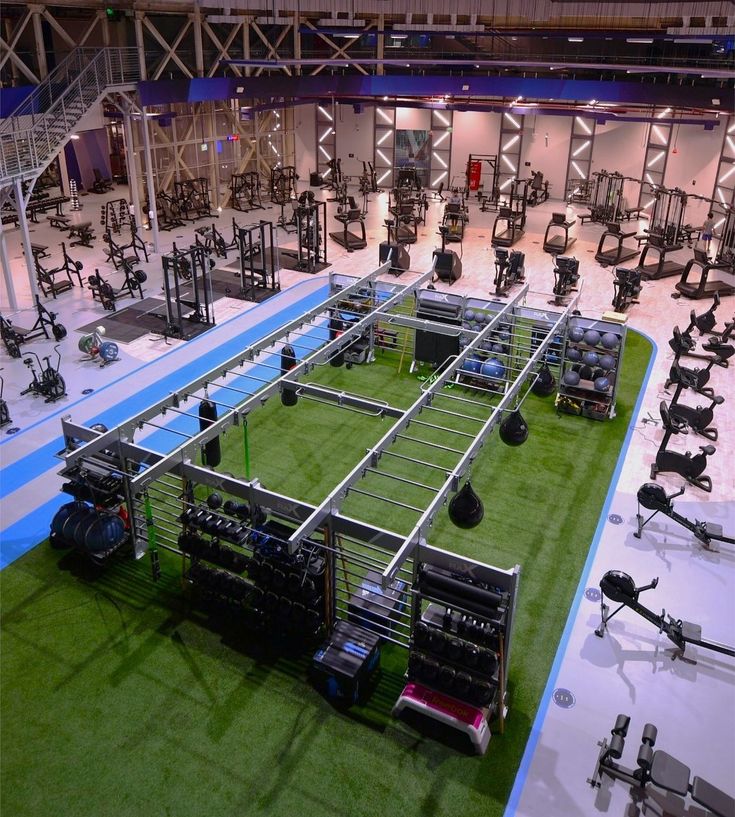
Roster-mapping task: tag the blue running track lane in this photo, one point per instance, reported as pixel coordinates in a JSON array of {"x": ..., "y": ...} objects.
[{"x": 32, "y": 529}]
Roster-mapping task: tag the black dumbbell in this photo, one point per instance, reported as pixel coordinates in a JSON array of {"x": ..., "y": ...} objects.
[
  {"x": 313, "y": 620},
  {"x": 294, "y": 583},
  {"x": 481, "y": 693},
  {"x": 470, "y": 654},
  {"x": 447, "y": 619},
  {"x": 430, "y": 670},
  {"x": 421, "y": 633},
  {"x": 446, "y": 677},
  {"x": 279, "y": 579},
  {"x": 487, "y": 662},
  {"x": 265, "y": 574},
  {"x": 270, "y": 601},
  {"x": 284, "y": 607},
  {"x": 298, "y": 612},
  {"x": 462, "y": 684},
  {"x": 214, "y": 501},
  {"x": 437, "y": 641},
  {"x": 415, "y": 664},
  {"x": 455, "y": 648},
  {"x": 239, "y": 509}
]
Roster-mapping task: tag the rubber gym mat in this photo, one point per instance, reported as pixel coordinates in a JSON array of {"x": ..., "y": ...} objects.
[{"x": 142, "y": 317}]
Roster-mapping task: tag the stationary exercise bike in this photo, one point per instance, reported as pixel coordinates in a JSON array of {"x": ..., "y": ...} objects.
[
  {"x": 620, "y": 588},
  {"x": 654, "y": 498},
  {"x": 50, "y": 385},
  {"x": 4, "y": 410},
  {"x": 698, "y": 418},
  {"x": 14, "y": 336},
  {"x": 688, "y": 466},
  {"x": 684, "y": 344},
  {"x": 704, "y": 322},
  {"x": 698, "y": 377}
]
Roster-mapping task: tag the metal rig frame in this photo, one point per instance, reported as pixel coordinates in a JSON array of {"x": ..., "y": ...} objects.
[{"x": 351, "y": 545}]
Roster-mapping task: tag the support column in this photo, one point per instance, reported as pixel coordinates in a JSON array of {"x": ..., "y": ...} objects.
[
  {"x": 214, "y": 176},
  {"x": 37, "y": 12},
  {"x": 133, "y": 181},
  {"x": 152, "y": 214},
  {"x": 7, "y": 272},
  {"x": 20, "y": 205},
  {"x": 63, "y": 172},
  {"x": 105, "y": 25},
  {"x": 140, "y": 43},
  {"x": 196, "y": 19},
  {"x": 297, "y": 41}
]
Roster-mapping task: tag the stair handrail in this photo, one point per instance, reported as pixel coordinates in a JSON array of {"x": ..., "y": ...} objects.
[
  {"x": 107, "y": 68},
  {"x": 67, "y": 76}
]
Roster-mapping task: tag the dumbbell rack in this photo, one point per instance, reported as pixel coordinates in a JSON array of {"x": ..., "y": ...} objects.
[
  {"x": 282, "y": 594},
  {"x": 460, "y": 653}
]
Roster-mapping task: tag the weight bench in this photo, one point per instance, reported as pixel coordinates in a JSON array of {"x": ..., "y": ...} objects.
[
  {"x": 101, "y": 185},
  {"x": 659, "y": 768},
  {"x": 39, "y": 251},
  {"x": 61, "y": 222},
  {"x": 84, "y": 233},
  {"x": 632, "y": 212}
]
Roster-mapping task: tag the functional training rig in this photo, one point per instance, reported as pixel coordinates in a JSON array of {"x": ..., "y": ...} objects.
[
  {"x": 607, "y": 202},
  {"x": 659, "y": 768},
  {"x": 620, "y": 588},
  {"x": 157, "y": 487},
  {"x": 187, "y": 289},
  {"x": 245, "y": 191},
  {"x": 663, "y": 234},
  {"x": 654, "y": 498}
]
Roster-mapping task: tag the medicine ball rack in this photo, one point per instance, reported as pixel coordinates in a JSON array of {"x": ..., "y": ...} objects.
[
  {"x": 586, "y": 363},
  {"x": 347, "y": 530}
]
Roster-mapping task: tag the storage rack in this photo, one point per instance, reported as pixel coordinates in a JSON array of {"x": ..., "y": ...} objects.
[{"x": 583, "y": 398}]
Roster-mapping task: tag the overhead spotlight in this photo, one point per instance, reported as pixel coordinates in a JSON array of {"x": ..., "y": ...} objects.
[{"x": 240, "y": 89}]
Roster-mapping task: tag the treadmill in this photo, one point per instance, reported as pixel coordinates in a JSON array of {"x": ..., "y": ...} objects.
[
  {"x": 704, "y": 287},
  {"x": 507, "y": 229},
  {"x": 559, "y": 243},
  {"x": 661, "y": 268},
  {"x": 616, "y": 252},
  {"x": 349, "y": 240}
]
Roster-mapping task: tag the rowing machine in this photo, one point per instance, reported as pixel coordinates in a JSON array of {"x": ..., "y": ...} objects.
[
  {"x": 620, "y": 587},
  {"x": 653, "y": 497}
]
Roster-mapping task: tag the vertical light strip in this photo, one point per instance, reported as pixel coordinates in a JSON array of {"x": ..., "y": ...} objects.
[{"x": 441, "y": 131}]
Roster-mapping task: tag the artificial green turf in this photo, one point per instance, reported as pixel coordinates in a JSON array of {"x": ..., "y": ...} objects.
[{"x": 117, "y": 699}]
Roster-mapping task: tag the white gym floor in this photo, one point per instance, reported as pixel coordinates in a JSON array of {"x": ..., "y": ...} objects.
[{"x": 632, "y": 669}]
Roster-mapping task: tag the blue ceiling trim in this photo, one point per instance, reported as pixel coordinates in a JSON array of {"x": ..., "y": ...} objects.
[{"x": 462, "y": 89}]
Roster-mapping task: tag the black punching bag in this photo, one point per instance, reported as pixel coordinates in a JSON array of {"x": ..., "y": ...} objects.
[
  {"x": 465, "y": 508},
  {"x": 513, "y": 430},
  {"x": 212, "y": 453},
  {"x": 288, "y": 361},
  {"x": 545, "y": 382}
]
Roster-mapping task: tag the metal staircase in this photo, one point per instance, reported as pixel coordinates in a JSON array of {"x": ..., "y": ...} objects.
[{"x": 36, "y": 131}]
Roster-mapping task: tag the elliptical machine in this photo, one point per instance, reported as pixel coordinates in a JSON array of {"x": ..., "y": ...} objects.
[
  {"x": 698, "y": 418},
  {"x": 688, "y": 466},
  {"x": 653, "y": 497},
  {"x": 566, "y": 277},
  {"x": 509, "y": 270},
  {"x": 626, "y": 288}
]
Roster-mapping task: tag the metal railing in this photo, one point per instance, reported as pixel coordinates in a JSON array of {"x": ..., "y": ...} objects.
[{"x": 32, "y": 135}]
